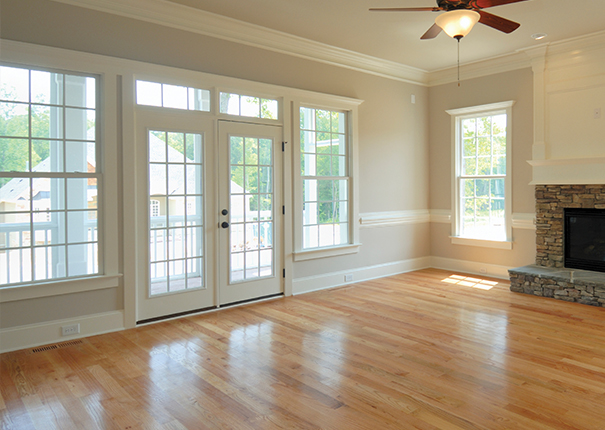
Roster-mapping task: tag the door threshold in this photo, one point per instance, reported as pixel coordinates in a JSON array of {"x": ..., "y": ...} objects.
[
  {"x": 208, "y": 309},
  {"x": 254, "y": 300}
]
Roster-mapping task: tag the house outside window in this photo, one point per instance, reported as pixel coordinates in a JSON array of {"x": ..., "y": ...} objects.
[
  {"x": 49, "y": 176},
  {"x": 482, "y": 179}
]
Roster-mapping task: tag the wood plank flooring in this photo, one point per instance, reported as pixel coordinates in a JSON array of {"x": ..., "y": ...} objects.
[{"x": 423, "y": 350}]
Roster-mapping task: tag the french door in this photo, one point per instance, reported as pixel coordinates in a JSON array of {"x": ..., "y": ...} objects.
[
  {"x": 176, "y": 244},
  {"x": 250, "y": 211}
]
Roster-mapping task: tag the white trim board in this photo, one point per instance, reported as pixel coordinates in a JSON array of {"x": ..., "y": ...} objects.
[
  {"x": 337, "y": 279},
  {"x": 376, "y": 219},
  {"x": 29, "y": 336}
]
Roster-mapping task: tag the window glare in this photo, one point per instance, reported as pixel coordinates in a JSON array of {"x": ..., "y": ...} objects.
[
  {"x": 14, "y": 84},
  {"x": 248, "y": 106},
  {"x": 172, "y": 96},
  {"x": 149, "y": 93}
]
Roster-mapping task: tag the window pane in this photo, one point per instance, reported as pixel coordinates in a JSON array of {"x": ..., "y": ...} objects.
[
  {"x": 193, "y": 148},
  {"x": 47, "y": 155},
  {"x": 265, "y": 152},
  {"x": 14, "y": 119},
  {"x": 199, "y": 99},
  {"x": 47, "y": 121},
  {"x": 149, "y": 93},
  {"x": 47, "y": 88},
  {"x": 81, "y": 193},
  {"x": 269, "y": 109},
  {"x": 194, "y": 179},
  {"x": 80, "y": 157},
  {"x": 250, "y": 106},
  {"x": 251, "y": 151},
  {"x": 324, "y": 167},
  {"x": 229, "y": 104},
  {"x": 14, "y": 155},
  {"x": 14, "y": 84},
  {"x": 322, "y": 120},
  {"x": 174, "y": 96},
  {"x": 77, "y": 89},
  {"x": 81, "y": 259}
]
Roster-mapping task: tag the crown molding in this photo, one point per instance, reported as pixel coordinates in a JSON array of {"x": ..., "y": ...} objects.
[
  {"x": 486, "y": 67},
  {"x": 194, "y": 20},
  {"x": 174, "y": 15}
]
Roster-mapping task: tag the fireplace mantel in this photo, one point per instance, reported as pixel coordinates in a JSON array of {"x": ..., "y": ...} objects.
[{"x": 570, "y": 171}]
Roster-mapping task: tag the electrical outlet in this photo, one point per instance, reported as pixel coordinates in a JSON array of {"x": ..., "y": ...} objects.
[
  {"x": 348, "y": 278},
  {"x": 68, "y": 330}
]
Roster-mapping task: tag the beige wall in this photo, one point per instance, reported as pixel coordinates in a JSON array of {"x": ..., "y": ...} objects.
[
  {"x": 393, "y": 132},
  {"x": 518, "y": 86}
]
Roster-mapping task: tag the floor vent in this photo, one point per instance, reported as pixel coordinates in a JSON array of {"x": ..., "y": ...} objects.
[{"x": 57, "y": 346}]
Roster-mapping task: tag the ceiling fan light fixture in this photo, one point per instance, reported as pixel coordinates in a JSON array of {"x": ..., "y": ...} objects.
[{"x": 457, "y": 23}]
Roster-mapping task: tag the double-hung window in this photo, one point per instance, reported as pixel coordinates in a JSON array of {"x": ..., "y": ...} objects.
[
  {"x": 482, "y": 181},
  {"x": 324, "y": 168},
  {"x": 49, "y": 176}
]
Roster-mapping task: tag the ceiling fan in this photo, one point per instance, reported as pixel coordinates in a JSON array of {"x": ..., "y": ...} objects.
[{"x": 464, "y": 6}]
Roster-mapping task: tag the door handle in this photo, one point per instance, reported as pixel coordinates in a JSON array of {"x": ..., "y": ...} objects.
[
  {"x": 225, "y": 224},
  {"x": 225, "y": 212}
]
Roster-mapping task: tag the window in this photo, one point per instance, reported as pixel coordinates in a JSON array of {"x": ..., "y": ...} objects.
[
  {"x": 325, "y": 181},
  {"x": 172, "y": 96},
  {"x": 482, "y": 173},
  {"x": 176, "y": 211},
  {"x": 49, "y": 176},
  {"x": 253, "y": 107}
]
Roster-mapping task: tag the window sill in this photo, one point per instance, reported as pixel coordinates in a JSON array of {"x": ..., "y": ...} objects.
[
  {"x": 333, "y": 251},
  {"x": 496, "y": 244},
  {"x": 55, "y": 288}
]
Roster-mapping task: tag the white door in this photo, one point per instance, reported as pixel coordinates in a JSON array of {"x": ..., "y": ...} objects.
[
  {"x": 175, "y": 156},
  {"x": 250, "y": 211}
]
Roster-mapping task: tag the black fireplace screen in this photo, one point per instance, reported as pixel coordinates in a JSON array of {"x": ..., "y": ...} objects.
[{"x": 584, "y": 239}]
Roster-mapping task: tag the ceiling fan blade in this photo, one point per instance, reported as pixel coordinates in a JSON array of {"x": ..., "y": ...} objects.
[
  {"x": 497, "y": 22},
  {"x": 432, "y": 32},
  {"x": 405, "y": 9},
  {"x": 491, "y": 3}
]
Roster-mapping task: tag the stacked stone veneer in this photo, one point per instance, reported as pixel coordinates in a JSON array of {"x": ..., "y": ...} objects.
[
  {"x": 549, "y": 278},
  {"x": 579, "y": 286},
  {"x": 550, "y": 202}
]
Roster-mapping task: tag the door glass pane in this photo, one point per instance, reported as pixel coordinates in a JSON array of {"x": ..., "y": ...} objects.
[
  {"x": 175, "y": 201},
  {"x": 251, "y": 197}
]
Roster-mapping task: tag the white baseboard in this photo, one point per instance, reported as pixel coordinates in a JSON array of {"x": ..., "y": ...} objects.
[
  {"x": 336, "y": 279},
  {"x": 33, "y": 335},
  {"x": 470, "y": 267}
]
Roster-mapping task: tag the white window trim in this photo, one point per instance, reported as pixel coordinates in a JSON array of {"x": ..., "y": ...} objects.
[
  {"x": 457, "y": 115},
  {"x": 353, "y": 246}
]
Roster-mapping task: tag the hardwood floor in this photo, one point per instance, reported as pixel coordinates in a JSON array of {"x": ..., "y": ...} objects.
[{"x": 422, "y": 350}]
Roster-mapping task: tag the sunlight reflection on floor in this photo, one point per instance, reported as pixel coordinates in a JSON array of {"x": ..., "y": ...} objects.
[{"x": 466, "y": 281}]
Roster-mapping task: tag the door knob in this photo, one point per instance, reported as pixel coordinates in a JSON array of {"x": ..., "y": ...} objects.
[
  {"x": 225, "y": 224},
  {"x": 225, "y": 212}
]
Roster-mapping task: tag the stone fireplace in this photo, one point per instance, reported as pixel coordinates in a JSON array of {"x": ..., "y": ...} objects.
[{"x": 550, "y": 277}]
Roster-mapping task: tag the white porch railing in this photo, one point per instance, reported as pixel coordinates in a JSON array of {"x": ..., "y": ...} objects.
[{"x": 18, "y": 250}]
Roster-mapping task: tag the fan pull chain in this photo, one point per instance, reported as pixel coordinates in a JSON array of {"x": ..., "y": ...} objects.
[{"x": 458, "y": 60}]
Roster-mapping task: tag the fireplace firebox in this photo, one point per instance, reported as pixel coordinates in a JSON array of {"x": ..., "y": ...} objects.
[{"x": 584, "y": 239}]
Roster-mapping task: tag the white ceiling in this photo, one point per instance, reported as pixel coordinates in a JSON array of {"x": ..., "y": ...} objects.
[{"x": 395, "y": 36}]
